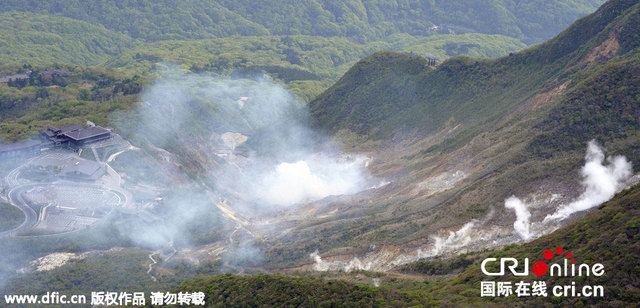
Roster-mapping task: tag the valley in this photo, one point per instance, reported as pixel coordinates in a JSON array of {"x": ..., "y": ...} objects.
[{"x": 292, "y": 168}]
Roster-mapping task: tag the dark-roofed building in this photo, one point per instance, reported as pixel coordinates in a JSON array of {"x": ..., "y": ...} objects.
[
  {"x": 84, "y": 170},
  {"x": 75, "y": 135},
  {"x": 88, "y": 135},
  {"x": 29, "y": 147}
]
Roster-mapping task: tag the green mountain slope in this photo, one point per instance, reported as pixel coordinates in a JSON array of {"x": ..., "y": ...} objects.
[
  {"x": 594, "y": 64},
  {"x": 308, "y": 64},
  {"x": 517, "y": 125},
  {"x": 302, "y": 61},
  {"x": 305, "y": 44},
  {"x": 276, "y": 290},
  {"x": 390, "y": 92},
  {"x": 41, "y": 39},
  {"x": 531, "y": 22}
]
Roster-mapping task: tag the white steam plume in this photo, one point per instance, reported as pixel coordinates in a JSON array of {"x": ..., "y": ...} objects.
[
  {"x": 257, "y": 155},
  {"x": 522, "y": 224},
  {"x": 311, "y": 179},
  {"x": 601, "y": 181},
  {"x": 341, "y": 265},
  {"x": 454, "y": 241}
]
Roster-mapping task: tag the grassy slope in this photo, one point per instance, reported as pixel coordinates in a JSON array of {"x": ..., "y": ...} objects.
[
  {"x": 112, "y": 271},
  {"x": 276, "y": 290}
]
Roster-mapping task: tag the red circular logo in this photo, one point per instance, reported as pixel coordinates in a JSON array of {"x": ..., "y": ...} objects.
[{"x": 539, "y": 268}]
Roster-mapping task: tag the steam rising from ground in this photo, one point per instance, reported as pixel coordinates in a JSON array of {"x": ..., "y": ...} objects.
[
  {"x": 445, "y": 242},
  {"x": 314, "y": 179},
  {"x": 455, "y": 240},
  {"x": 250, "y": 142},
  {"x": 522, "y": 224},
  {"x": 601, "y": 182},
  {"x": 602, "y": 178},
  {"x": 347, "y": 266}
]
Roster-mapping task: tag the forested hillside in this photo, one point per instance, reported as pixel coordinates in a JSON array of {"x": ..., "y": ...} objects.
[
  {"x": 530, "y": 21},
  {"x": 306, "y": 45},
  {"x": 61, "y": 95},
  {"x": 595, "y": 61},
  {"x": 28, "y": 38}
]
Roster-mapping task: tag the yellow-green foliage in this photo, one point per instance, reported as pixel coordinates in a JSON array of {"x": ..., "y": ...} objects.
[{"x": 88, "y": 94}]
